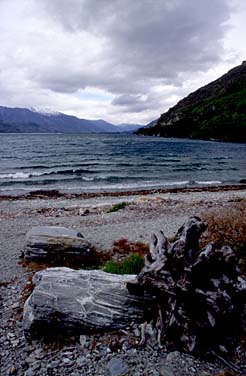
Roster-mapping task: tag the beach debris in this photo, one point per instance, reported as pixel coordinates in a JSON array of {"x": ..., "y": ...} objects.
[
  {"x": 43, "y": 193},
  {"x": 77, "y": 302},
  {"x": 51, "y": 243},
  {"x": 197, "y": 294},
  {"x": 84, "y": 212}
]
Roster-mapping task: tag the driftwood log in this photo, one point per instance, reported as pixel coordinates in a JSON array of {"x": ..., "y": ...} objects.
[
  {"x": 54, "y": 243},
  {"x": 73, "y": 302},
  {"x": 197, "y": 295}
]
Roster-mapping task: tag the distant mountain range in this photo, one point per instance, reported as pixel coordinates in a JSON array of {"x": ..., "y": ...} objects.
[
  {"x": 23, "y": 120},
  {"x": 216, "y": 111},
  {"x": 124, "y": 127}
]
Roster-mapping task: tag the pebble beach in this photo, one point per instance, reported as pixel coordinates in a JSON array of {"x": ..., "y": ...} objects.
[{"x": 146, "y": 212}]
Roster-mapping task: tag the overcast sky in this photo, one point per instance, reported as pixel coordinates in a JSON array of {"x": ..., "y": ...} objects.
[{"x": 120, "y": 60}]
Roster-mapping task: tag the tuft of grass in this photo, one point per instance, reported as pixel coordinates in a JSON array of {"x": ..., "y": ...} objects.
[
  {"x": 131, "y": 265},
  {"x": 228, "y": 226},
  {"x": 116, "y": 207}
]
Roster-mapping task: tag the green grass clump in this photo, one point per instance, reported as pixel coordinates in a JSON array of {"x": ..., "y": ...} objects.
[
  {"x": 119, "y": 206},
  {"x": 131, "y": 265}
]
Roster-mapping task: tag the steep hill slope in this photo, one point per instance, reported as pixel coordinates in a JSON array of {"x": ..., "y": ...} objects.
[{"x": 216, "y": 111}]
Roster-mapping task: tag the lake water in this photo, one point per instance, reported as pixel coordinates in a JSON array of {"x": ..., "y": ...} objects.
[{"x": 99, "y": 162}]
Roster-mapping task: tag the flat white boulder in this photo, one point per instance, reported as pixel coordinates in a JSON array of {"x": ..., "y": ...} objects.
[
  {"x": 54, "y": 243},
  {"x": 79, "y": 302}
]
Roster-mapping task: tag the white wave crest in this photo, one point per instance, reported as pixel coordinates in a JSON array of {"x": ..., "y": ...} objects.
[
  {"x": 87, "y": 179},
  {"x": 208, "y": 182},
  {"x": 20, "y": 175}
]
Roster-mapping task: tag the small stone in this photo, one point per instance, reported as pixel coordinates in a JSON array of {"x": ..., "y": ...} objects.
[
  {"x": 30, "y": 359},
  {"x": 12, "y": 370},
  {"x": 10, "y": 335},
  {"x": 15, "y": 343},
  {"x": 166, "y": 371},
  {"x": 35, "y": 366},
  {"x": 15, "y": 305},
  {"x": 29, "y": 372},
  {"x": 37, "y": 352},
  {"x": 83, "y": 212},
  {"x": 66, "y": 360},
  {"x": 117, "y": 367},
  {"x": 82, "y": 340},
  {"x": 173, "y": 357},
  {"x": 54, "y": 364},
  {"x": 80, "y": 361}
]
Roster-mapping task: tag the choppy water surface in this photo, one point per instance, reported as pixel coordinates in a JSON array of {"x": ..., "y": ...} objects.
[{"x": 92, "y": 162}]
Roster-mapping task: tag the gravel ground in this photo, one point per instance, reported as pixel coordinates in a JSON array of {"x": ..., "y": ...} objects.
[{"x": 145, "y": 214}]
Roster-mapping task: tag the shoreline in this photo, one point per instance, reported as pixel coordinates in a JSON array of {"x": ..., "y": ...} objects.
[
  {"x": 55, "y": 194},
  {"x": 147, "y": 211}
]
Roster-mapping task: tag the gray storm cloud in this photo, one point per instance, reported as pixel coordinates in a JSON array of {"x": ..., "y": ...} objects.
[
  {"x": 56, "y": 49},
  {"x": 144, "y": 41}
]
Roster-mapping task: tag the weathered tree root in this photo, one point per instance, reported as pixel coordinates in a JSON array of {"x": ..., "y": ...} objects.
[{"x": 197, "y": 295}]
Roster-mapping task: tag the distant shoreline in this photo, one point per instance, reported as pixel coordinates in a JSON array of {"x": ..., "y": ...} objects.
[{"x": 55, "y": 194}]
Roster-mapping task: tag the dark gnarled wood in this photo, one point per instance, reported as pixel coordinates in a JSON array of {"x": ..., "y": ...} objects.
[{"x": 197, "y": 295}]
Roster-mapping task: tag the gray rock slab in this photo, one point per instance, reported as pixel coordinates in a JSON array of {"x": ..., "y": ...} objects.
[
  {"x": 51, "y": 242},
  {"x": 79, "y": 302}
]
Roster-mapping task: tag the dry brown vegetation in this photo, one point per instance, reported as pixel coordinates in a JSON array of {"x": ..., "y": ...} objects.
[
  {"x": 92, "y": 260},
  {"x": 124, "y": 247},
  {"x": 227, "y": 225}
]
